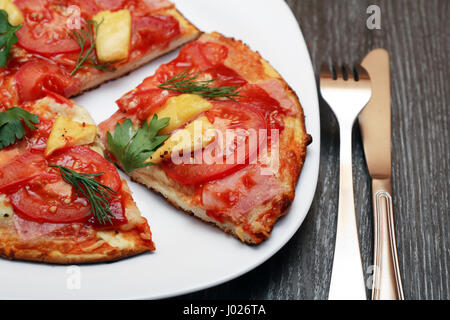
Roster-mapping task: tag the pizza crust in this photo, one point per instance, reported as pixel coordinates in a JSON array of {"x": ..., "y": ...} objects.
[
  {"x": 293, "y": 142},
  {"x": 89, "y": 245}
]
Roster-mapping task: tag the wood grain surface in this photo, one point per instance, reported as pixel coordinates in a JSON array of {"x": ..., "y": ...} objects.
[{"x": 416, "y": 33}]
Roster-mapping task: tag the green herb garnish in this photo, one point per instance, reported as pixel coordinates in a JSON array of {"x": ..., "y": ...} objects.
[
  {"x": 99, "y": 195},
  {"x": 11, "y": 126},
  {"x": 87, "y": 58},
  {"x": 7, "y": 37},
  {"x": 188, "y": 82},
  {"x": 131, "y": 148}
]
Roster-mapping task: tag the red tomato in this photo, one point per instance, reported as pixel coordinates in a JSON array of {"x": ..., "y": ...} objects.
[
  {"x": 111, "y": 4},
  {"x": 35, "y": 76},
  {"x": 20, "y": 170},
  {"x": 26, "y": 6},
  {"x": 87, "y": 160},
  {"x": 48, "y": 198},
  {"x": 118, "y": 211},
  {"x": 214, "y": 52},
  {"x": 57, "y": 97},
  {"x": 196, "y": 56},
  {"x": 264, "y": 103},
  {"x": 144, "y": 103},
  {"x": 153, "y": 30},
  {"x": 45, "y": 31},
  {"x": 190, "y": 57},
  {"x": 36, "y": 140},
  {"x": 225, "y": 76},
  {"x": 225, "y": 115}
]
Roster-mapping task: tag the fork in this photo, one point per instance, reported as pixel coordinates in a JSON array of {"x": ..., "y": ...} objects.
[{"x": 347, "y": 92}]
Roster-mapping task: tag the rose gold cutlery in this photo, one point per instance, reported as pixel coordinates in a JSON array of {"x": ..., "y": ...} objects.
[
  {"x": 347, "y": 92},
  {"x": 375, "y": 123}
]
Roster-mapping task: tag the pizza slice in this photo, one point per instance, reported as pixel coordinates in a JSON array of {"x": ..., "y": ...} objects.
[
  {"x": 61, "y": 201},
  {"x": 70, "y": 46},
  {"x": 236, "y": 138}
]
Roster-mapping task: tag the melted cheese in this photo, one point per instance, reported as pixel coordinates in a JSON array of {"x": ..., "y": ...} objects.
[{"x": 116, "y": 240}]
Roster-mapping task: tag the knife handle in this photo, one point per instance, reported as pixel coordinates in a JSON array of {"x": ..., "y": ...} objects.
[{"x": 387, "y": 283}]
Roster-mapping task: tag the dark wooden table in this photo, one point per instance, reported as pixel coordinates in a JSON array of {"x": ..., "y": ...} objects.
[{"x": 416, "y": 33}]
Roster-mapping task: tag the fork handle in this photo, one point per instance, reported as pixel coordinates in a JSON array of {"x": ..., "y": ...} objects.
[
  {"x": 347, "y": 278},
  {"x": 387, "y": 283}
]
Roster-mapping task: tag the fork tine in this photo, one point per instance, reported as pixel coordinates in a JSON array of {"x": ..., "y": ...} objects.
[
  {"x": 337, "y": 71},
  {"x": 348, "y": 73}
]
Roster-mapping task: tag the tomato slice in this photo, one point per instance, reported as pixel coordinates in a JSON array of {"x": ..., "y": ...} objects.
[
  {"x": 225, "y": 115},
  {"x": 45, "y": 30},
  {"x": 264, "y": 103},
  {"x": 27, "y": 6},
  {"x": 153, "y": 30},
  {"x": 111, "y": 4},
  {"x": 191, "y": 57},
  {"x": 215, "y": 53},
  {"x": 196, "y": 57},
  {"x": 48, "y": 198},
  {"x": 35, "y": 77},
  {"x": 144, "y": 102},
  {"x": 225, "y": 76},
  {"x": 84, "y": 159},
  {"x": 20, "y": 170}
]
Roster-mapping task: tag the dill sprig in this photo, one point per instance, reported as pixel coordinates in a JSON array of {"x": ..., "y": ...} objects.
[
  {"x": 98, "y": 194},
  {"x": 188, "y": 82},
  {"x": 87, "y": 58}
]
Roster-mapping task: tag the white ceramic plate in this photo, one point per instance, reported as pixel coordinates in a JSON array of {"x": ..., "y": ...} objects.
[{"x": 190, "y": 255}]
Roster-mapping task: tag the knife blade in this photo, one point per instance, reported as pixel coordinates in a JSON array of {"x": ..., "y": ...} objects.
[{"x": 375, "y": 125}]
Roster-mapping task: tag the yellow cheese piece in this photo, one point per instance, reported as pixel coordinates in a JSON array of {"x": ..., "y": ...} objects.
[
  {"x": 68, "y": 133},
  {"x": 181, "y": 109},
  {"x": 15, "y": 16},
  {"x": 112, "y": 41},
  {"x": 197, "y": 134}
]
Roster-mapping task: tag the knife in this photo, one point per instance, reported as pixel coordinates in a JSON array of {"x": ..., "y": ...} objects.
[{"x": 375, "y": 124}]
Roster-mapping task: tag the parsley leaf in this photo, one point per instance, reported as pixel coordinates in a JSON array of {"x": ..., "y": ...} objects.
[
  {"x": 7, "y": 37},
  {"x": 11, "y": 126},
  {"x": 131, "y": 148}
]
